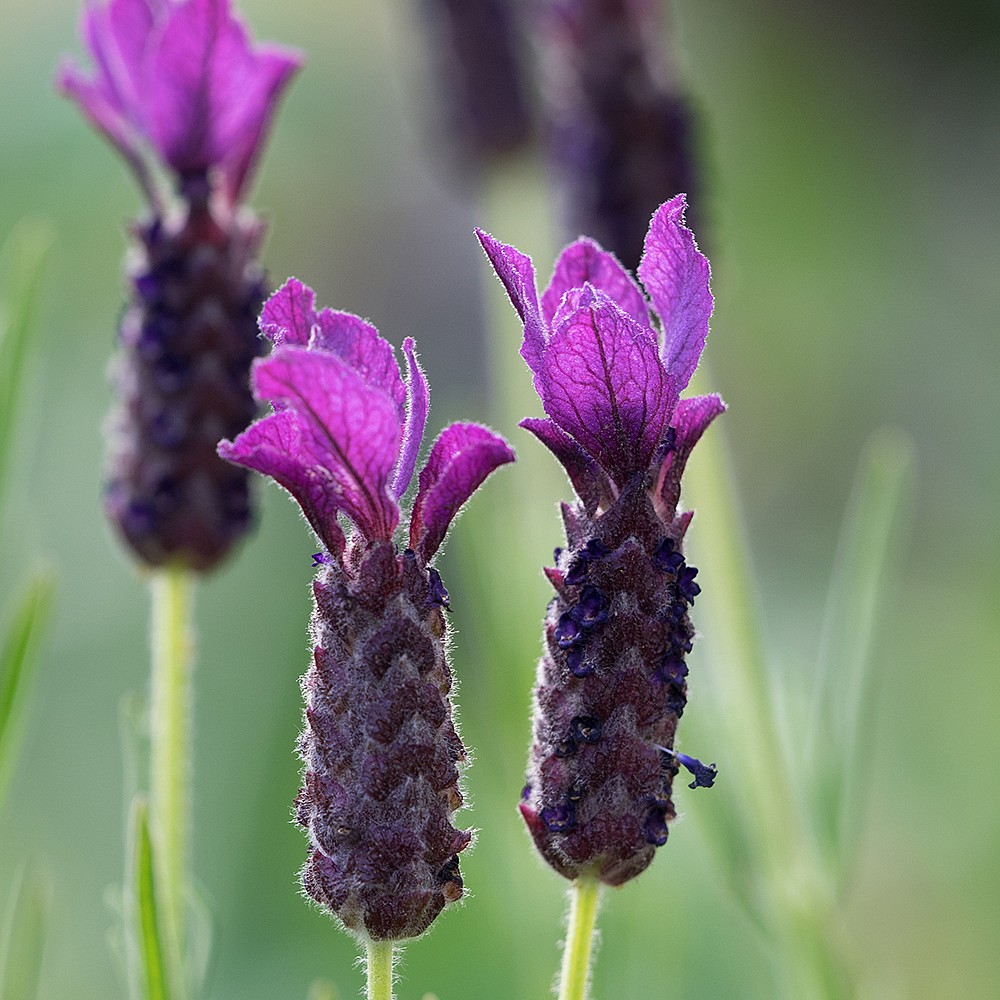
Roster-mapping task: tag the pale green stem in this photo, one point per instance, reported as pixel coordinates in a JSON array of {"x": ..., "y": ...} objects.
[
  {"x": 380, "y": 959},
  {"x": 583, "y": 895},
  {"x": 170, "y": 745}
]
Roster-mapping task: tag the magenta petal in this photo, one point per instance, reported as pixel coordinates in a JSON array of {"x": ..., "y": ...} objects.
[
  {"x": 273, "y": 445},
  {"x": 587, "y": 477},
  {"x": 690, "y": 419},
  {"x": 517, "y": 273},
  {"x": 460, "y": 459},
  {"x": 676, "y": 276},
  {"x": 602, "y": 382},
  {"x": 418, "y": 396},
  {"x": 348, "y": 427},
  {"x": 208, "y": 89},
  {"x": 103, "y": 111},
  {"x": 584, "y": 262},
  {"x": 289, "y": 314},
  {"x": 274, "y": 71},
  {"x": 361, "y": 346}
]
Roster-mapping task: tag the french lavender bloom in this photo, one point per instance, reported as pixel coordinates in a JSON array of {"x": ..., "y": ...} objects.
[
  {"x": 618, "y": 132},
  {"x": 380, "y": 747},
  {"x": 611, "y": 683},
  {"x": 180, "y": 90}
]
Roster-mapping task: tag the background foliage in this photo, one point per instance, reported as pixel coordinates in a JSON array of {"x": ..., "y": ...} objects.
[{"x": 852, "y": 224}]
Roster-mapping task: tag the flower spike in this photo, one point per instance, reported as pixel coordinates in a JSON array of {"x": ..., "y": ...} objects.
[
  {"x": 608, "y": 366},
  {"x": 380, "y": 748}
]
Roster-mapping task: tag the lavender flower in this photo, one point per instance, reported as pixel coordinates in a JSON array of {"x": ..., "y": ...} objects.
[
  {"x": 179, "y": 88},
  {"x": 611, "y": 682},
  {"x": 380, "y": 747},
  {"x": 618, "y": 132}
]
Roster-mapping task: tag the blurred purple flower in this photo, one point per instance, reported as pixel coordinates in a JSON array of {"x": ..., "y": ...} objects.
[
  {"x": 182, "y": 94},
  {"x": 380, "y": 748},
  {"x": 182, "y": 78},
  {"x": 609, "y": 371}
]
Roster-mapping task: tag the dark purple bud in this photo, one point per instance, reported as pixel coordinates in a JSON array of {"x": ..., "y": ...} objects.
[
  {"x": 666, "y": 557},
  {"x": 560, "y": 818},
  {"x": 592, "y": 608},
  {"x": 585, "y": 728},
  {"x": 577, "y": 664},
  {"x": 437, "y": 593},
  {"x": 685, "y": 583},
  {"x": 567, "y": 631},
  {"x": 655, "y": 827},
  {"x": 566, "y": 747},
  {"x": 673, "y": 669},
  {"x": 320, "y": 558},
  {"x": 576, "y": 791}
]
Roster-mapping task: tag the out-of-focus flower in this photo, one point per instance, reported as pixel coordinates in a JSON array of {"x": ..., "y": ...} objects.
[
  {"x": 181, "y": 93},
  {"x": 611, "y": 684},
  {"x": 618, "y": 131},
  {"x": 380, "y": 748}
]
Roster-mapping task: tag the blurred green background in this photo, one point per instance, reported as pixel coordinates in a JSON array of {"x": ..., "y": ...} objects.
[{"x": 853, "y": 157}]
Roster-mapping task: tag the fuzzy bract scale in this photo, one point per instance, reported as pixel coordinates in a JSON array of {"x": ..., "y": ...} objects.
[
  {"x": 186, "y": 342},
  {"x": 380, "y": 748}
]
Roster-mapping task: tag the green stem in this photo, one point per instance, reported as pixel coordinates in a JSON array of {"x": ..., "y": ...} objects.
[
  {"x": 170, "y": 750},
  {"x": 380, "y": 959},
  {"x": 584, "y": 895}
]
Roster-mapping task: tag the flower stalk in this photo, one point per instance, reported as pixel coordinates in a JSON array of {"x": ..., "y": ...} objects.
[
  {"x": 584, "y": 896},
  {"x": 380, "y": 959},
  {"x": 170, "y": 711}
]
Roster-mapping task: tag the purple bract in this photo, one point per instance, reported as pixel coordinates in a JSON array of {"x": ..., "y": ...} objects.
[
  {"x": 346, "y": 428},
  {"x": 182, "y": 78}
]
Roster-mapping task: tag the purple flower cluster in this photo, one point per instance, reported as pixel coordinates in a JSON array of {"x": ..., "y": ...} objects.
[
  {"x": 178, "y": 88},
  {"x": 380, "y": 748},
  {"x": 611, "y": 684}
]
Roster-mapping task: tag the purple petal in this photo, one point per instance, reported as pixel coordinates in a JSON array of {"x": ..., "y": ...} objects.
[
  {"x": 348, "y": 427},
  {"x": 101, "y": 109},
  {"x": 584, "y": 262},
  {"x": 359, "y": 344},
  {"x": 676, "y": 276},
  {"x": 418, "y": 396},
  {"x": 690, "y": 419},
  {"x": 517, "y": 273},
  {"x": 460, "y": 459},
  {"x": 209, "y": 91},
  {"x": 602, "y": 381},
  {"x": 587, "y": 477},
  {"x": 289, "y": 314},
  {"x": 274, "y": 446},
  {"x": 275, "y": 69}
]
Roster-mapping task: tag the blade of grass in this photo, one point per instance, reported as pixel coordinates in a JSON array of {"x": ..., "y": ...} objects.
[
  {"x": 21, "y": 961},
  {"x": 24, "y": 253},
  {"x": 843, "y": 669},
  {"x": 18, "y": 657},
  {"x": 150, "y": 970}
]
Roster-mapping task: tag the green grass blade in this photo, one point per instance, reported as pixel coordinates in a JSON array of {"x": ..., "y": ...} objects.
[
  {"x": 18, "y": 657},
  {"x": 24, "y": 252},
  {"x": 844, "y": 660},
  {"x": 148, "y": 952},
  {"x": 21, "y": 962}
]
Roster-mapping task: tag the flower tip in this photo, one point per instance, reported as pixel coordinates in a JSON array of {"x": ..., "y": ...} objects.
[{"x": 704, "y": 774}]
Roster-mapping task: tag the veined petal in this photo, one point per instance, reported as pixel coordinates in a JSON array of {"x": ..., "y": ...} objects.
[
  {"x": 517, "y": 273},
  {"x": 208, "y": 88},
  {"x": 690, "y": 419},
  {"x": 418, "y": 404},
  {"x": 274, "y": 446},
  {"x": 289, "y": 314},
  {"x": 349, "y": 427},
  {"x": 584, "y": 262},
  {"x": 602, "y": 382},
  {"x": 587, "y": 477},
  {"x": 359, "y": 344},
  {"x": 102, "y": 110},
  {"x": 460, "y": 460},
  {"x": 676, "y": 276}
]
